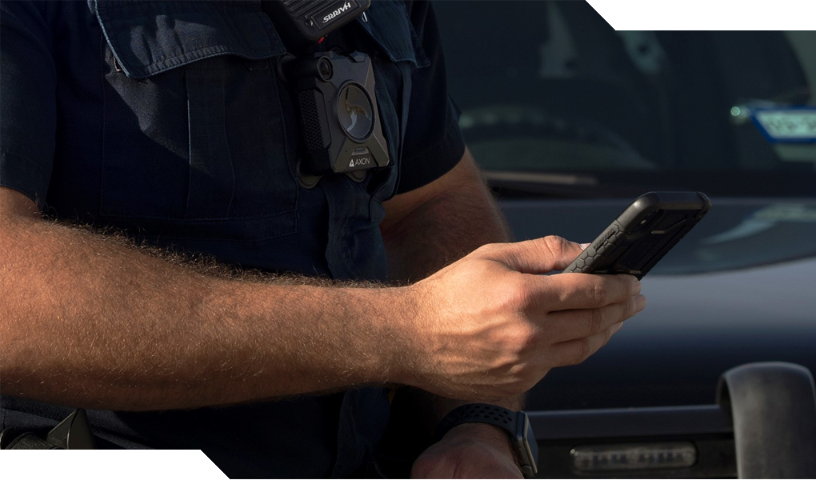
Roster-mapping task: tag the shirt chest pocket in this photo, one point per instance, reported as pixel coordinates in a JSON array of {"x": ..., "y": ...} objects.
[{"x": 194, "y": 126}]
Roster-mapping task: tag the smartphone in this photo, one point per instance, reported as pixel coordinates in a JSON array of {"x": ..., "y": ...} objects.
[{"x": 642, "y": 234}]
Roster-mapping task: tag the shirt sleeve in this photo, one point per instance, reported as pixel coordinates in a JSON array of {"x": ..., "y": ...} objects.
[
  {"x": 27, "y": 100},
  {"x": 433, "y": 141}
]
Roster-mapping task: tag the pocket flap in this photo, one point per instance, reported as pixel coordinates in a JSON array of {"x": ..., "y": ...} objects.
[
  {"x": 150, "y": 37},
  {"x": 389, "y": 26}
]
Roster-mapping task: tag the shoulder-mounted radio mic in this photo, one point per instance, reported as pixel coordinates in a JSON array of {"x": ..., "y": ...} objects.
[
  {"x": 304, "y": 22},
  {"x": 333, "y": 93}
]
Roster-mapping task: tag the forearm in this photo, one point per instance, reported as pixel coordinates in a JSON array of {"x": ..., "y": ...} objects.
[{"x": 89, "y": 322}]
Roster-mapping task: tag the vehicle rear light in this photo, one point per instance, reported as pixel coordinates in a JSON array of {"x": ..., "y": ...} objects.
[{"x": 633, "y": 456}]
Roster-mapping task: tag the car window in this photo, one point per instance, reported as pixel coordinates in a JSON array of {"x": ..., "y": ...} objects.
[{"x": 554, "y": 101}]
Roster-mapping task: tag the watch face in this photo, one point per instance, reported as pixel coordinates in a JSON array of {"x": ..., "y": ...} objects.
[
  {"x": 526, "y": 442},
  {"x": 532, "y": 445}
]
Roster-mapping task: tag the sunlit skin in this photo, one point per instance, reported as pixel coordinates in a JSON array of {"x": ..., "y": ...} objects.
[{"x": 89, "y": 322}]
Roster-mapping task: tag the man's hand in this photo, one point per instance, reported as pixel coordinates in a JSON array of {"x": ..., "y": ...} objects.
[
  {"x": 470, "y": 450},
  {"x": 491, "y": 326}
]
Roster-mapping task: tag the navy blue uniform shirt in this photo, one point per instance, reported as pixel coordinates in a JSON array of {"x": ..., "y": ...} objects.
[{"x": 167, "y": 120}]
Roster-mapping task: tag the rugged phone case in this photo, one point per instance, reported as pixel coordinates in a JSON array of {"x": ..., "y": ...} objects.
[{"x": 642, "y": 234}]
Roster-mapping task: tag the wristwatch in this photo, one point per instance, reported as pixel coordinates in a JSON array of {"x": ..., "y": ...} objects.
[{"x": 516, "y": 424}]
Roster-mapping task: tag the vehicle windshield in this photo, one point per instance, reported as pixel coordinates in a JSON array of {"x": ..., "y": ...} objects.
[{"x": 555, "y": 102}]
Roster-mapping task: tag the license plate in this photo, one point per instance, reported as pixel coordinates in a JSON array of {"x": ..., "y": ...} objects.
[{"x": 790, "y": 125}]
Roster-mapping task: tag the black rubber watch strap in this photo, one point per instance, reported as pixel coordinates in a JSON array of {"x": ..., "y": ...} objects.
[
  {"x": 515, "y": 424},
  {"x": 477, "y": 413}
]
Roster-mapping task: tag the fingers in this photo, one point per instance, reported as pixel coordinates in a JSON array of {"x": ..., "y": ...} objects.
[
  {"x": 576, "y": 324},
  {"x": 541, "y": 255},
  {"x": 573, "y": 291},
  {"x": 573, "y": 352}
]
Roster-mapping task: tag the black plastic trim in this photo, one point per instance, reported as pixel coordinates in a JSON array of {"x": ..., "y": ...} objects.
[{"x": 630, "y": 422}]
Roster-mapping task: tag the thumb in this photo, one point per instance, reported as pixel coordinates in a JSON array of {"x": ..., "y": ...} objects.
[{"x": 541, "y": 255}]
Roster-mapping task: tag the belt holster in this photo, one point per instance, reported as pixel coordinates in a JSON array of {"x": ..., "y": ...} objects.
[{"x": 73, "y": 433}]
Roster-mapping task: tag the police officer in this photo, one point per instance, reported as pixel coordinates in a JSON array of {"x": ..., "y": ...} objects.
[{"x": 167, "y": 121}]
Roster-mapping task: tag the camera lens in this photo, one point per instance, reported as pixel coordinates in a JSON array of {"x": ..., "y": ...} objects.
[
  {"x": 355, "y": 112},
  {"x": 324, "y": 68}
]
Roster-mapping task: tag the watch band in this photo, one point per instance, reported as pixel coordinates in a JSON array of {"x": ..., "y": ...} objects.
[
  {"x": 514, "y": 423},
  {"x": 479, "y": 413}
]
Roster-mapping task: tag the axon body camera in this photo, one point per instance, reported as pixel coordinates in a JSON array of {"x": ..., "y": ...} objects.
[
  {"x": 339, "y": 119},
  {"x": 333, "y": 93}
]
